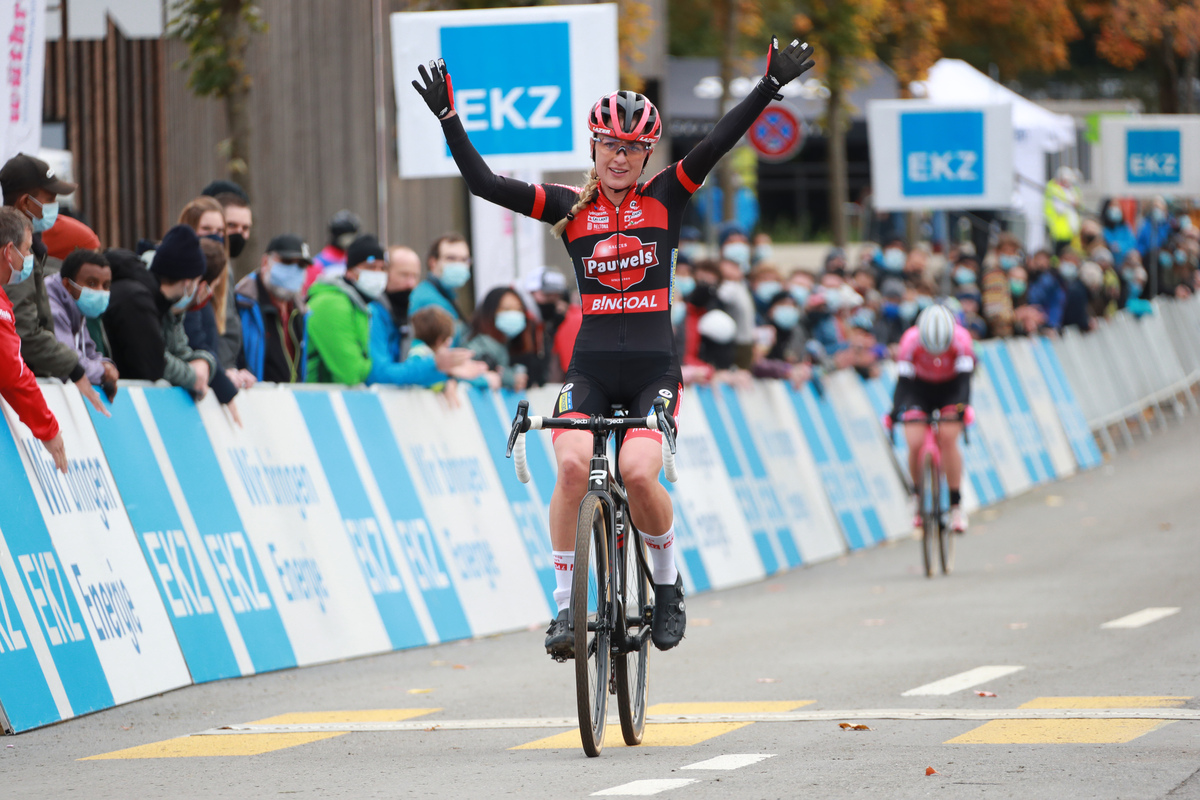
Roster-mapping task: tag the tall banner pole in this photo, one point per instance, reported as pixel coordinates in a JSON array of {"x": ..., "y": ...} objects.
[{"x": 24, "y": 29}]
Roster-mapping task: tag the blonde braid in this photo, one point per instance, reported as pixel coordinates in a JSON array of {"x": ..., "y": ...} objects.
[{"x": 589, "y": 192}]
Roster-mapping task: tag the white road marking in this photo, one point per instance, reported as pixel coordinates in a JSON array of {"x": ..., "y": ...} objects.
[
  {"x": 646, "y": 787},
  {"x": 731, "y": 761},
  {"x": 963, "y": 680},
  {"x": 1139, "y": 618},
  {"x": 969, "y": 714}
]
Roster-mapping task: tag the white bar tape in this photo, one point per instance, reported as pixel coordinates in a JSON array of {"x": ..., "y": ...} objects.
[
  {"x": 669, "y": 462},
  {"x": 519, "y": 460},
  {"x": 535, "y": 423}
]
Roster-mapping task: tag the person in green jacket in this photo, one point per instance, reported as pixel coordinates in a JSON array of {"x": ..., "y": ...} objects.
[{"x": 339, "y": 316}]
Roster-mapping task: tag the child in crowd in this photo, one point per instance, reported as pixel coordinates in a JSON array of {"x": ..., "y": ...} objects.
[{"x": 432, "y": 330}]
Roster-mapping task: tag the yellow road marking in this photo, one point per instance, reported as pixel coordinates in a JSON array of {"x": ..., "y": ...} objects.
[
  {"x": 680, "y": 734},
  {"x": 368, "y": 715},
  {"x": 1073, "y": 731},
  {"x": 1164, "y": 701},
  {"x": 1059, "y": 731},
  {"x": 760, "y": 707},
  {"x": 245, "y": 744}
]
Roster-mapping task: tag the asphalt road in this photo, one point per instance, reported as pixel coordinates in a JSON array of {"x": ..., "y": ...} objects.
[{"x": 1036, "y": 579}]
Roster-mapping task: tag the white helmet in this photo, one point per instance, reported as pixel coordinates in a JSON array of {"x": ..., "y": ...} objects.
[{"x": 935, "y": 326}]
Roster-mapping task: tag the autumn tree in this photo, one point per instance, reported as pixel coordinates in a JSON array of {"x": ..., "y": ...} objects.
[
  {"x": 1015, "y": 35},
  {"x": 1163, "y": 33},
  {"x": 217, "y": 34}
]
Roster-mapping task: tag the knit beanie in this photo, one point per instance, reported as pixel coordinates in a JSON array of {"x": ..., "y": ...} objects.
[{"x": 178, "y": 257}]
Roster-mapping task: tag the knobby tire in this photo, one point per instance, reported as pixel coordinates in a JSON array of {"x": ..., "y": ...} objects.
[
  {"x": 591, "y": 599},
  {"x": 630, "y": 668}
]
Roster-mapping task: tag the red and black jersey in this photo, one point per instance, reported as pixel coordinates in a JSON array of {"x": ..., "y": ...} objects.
[{"x": 624, "y": 257}]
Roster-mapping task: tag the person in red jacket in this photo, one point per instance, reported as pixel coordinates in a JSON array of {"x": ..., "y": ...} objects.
[{"x": 17, "y": 384}]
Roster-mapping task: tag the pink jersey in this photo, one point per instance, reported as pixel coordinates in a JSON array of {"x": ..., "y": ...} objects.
[{"x": 914, "y": 361}]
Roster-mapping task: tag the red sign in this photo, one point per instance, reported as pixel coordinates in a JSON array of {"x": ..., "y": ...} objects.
[
  {"x": 777, "y": 134},
  {"x": 620, "y": 261}
]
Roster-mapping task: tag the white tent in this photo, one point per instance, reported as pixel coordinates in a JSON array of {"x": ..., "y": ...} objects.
[{"x": 1036, "y": 130}]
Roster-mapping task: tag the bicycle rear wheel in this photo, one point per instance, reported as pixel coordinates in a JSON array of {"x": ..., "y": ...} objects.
[
  {"x": 630, "y": 668},
  {"x": 591, "y": 606},
  {"x": 931, "y": 511}
]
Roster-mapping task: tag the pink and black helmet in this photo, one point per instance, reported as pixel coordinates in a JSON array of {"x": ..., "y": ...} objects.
[{"x": 628, "y": 116}]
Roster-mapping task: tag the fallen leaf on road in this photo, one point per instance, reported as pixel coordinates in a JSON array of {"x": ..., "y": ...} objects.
[
  {"x": 1164, "y": 526},
  {"x": 1054, "y": 500},
  {"x": 701, "y": 622},
  {"x": 775, "y": 587},
  {"x": 985, "y": 694},
  {"x": 433, "y": 727},
  {"x": 1017, "y": 626},
  {"x": 930, "y": 771},
  {"x": 419, "y": 691},
  {"x": 461, "y": 666},
  {"x": 126, "y": 727},
  {"x": 768, "y": 680},
  {"x": 438, "y": 663},
  {"x": 844, "y": 725},
  {"x": 859, "y": 728}
]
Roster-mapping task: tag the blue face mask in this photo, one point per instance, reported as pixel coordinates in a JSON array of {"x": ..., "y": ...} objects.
[
  {"x": 924, "y": 301},
  {"x": 678, "y": 314},
  {"x": 1069, "y": 270},
  {"x": 785, "y": 316},
  {"x": 893, "y": 259},
  {"x": 964, "y": 275},
  {"x": 286, "y": 277},
  {"x": 182, "y": 303},
  {"x": 864, "y": 319},
  {"x": 909, "y": 310},
  {"x": 510, "y": 323},
  {"x": 49, "y": 217},
  {"x": 92, "y": 302},
  {"x": 1114, "y": 214},
  {"x": 800, "y": 294},
  {"x": 691, "y": 251},
  {"x": 455, "y": 274},
  {"x": 26, "y": 271},
  {"x": 1180, "y": 257},
  {"x": 1008, "y": 262},
  {"x": 1158, "y": 215},
  {"x": 1165, "y": 258},
  {"x": 767, "y": 290},
  {"x": 738, "y": 253},
  {"x": 685, "y": 285}
]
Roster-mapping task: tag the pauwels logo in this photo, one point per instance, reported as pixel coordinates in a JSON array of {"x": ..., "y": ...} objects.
[{"x": 620, "y": 262}]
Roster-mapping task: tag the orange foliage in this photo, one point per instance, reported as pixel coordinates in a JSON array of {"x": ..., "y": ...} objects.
[
  {"x": 1129, "y": 28},
  {"x": 1018, "y": 35}
]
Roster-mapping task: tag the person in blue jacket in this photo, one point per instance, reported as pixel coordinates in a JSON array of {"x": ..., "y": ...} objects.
[
  {"x": 1155, "y": 230},
  {"x": 1118, "y": 235},
  {"x": 449, "y": 264},
  {"x": 1046, "y": 287}
]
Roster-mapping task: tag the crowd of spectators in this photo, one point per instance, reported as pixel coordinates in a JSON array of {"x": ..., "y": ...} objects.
[{"x": 358, "y": 313}]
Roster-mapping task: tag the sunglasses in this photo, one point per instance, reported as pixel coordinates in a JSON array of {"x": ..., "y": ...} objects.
[{"x": 614, "y": 145}]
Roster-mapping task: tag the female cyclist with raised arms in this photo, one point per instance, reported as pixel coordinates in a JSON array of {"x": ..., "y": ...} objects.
[{"x": 622, "y": 238}]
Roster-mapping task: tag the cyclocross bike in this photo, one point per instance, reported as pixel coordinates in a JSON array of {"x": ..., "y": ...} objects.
[
  {"x": 934, "y": 529},
  {"x": 611, "y": 604}
]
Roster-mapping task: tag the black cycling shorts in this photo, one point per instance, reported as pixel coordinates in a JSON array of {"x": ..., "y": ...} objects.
[
  {"x": 593, "y": 384},
  {"x": 927, "y": 397}
]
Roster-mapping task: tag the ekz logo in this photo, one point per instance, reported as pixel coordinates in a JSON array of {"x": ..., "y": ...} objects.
[
  {"x": 1152, "y": 156},
  {"x": 941, "y": 153},
  {"x": 512, "y": 104}
]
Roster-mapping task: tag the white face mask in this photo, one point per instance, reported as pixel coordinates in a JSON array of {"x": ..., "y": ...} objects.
[{"x": 371, "y": 282}]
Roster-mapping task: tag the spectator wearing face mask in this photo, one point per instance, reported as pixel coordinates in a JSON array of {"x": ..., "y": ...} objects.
[
  {"x": 892, "y": 258},
  {"x": 735, "y": 247},
  {"x": 546, "y": 292},
  {"x": 783, "y": 356},
  {"x": 1155, "y": 230},
  {"x": 30, "y": 186},
  {"x": 17, "y": 384},
  {"x": 273, "y": 311},
  {"x": 763, "y": 251},
  {"x": 1046, "y": 291},
  {"x": 765, "y": 283},
  {"x": 202, "y": 324},
  {"x": 965, "y": 273},
  {"x": 863, "y": 351},
  {"x": 735, "y": 294},
  {"x": 889, "y": 322},
  {"x": 916, "y": 267},
  {"x": 1076, "y": 297},
  {"x": 995, "y": 293},
  {"x": 1118, "y": 235},
  {"x": 691, "y": 245},
  {"x": 339, "y": 321},
  {"x": 709, "y": 331},
  {"x": 145, "y": 312},
  {"x": 390, "y": 332},
  {"x": 239, "y": 221},
  {"x": 449, "y": 269},
  {"x": 343, "y": 229},
  {"x": 501, "y": 336},
  {"x": 81, "y": 292},
  {"x": 1135, "y": 278}
]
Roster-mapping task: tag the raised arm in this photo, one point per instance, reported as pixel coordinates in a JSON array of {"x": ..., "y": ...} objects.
[
  {"x": 782, "y": 67},
  {"x": 523, "y": 198}
]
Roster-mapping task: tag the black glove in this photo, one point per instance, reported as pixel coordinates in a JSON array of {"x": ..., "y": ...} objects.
[
  {"x": 438, "y": 91},
  {"x": 784, "y": 67}
]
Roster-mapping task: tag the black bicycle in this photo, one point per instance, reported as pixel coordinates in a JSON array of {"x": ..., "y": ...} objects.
[{"x": 611, "y": 603}]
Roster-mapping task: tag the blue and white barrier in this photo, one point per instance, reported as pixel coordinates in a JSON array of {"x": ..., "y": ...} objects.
[{"x": 181, "y": 548}]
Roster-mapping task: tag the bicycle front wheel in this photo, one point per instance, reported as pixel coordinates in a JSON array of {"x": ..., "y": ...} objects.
[
  {"x": 591, "y": 607},
  {"x": 931, "y": 512},
  {"x": 630, "y": 668},
  {"x": 946, "y": 537}
]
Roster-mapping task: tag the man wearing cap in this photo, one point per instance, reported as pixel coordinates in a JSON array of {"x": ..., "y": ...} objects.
[
  {"x": 17, "y": 384},
  {"x": 339, "y": 322},
  {"x": 144, "y": 319},
  {"x": 271, "y": 305},
  {"x": 30, "y": 187},
  {"x": 547, "y": 291}
]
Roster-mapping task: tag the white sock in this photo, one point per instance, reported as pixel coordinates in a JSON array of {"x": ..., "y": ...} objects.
[
  {"x": 662, "y": 556},
  {"x": 564, "y": 570}
]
